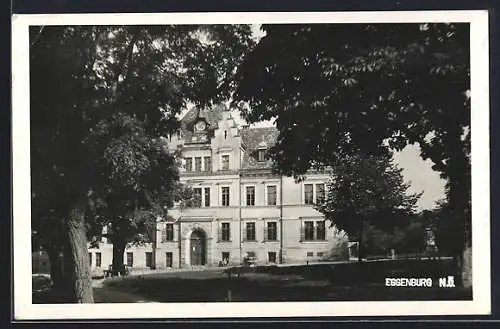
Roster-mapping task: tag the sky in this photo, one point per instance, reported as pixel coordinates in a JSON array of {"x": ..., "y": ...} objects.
[{"x": 421, "y": 176}]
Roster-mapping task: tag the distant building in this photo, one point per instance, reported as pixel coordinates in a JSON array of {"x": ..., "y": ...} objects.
[{"x": 242, "y": 208}]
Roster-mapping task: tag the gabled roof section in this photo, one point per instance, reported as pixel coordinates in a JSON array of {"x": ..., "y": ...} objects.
[
  {"x": 211, "y": 115},
  {"x": 254, "y": 139},
  {"x": 214, "y": 115}
]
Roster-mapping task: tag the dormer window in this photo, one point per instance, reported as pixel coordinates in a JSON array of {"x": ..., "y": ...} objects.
[{"x": 261, "y": 151}]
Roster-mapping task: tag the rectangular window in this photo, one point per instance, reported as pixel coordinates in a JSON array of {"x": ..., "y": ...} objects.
[
  {"x": 272, "y": 230},
  {"x": 310, "y": 254},
  {"x": 90, "y": 258},
  {"x": 271, "y": 256},
  {"x": 225, "y": 162},
  {"x": 262, "y": 155},
  {"x": 308, "y": 194},
  {"x": 149, "y": 259},
  {"x": 169, "y": 259},
  {"x": 197, "y": 197},
  {"x": 130, "y": 259},
  {"x": 225, "y": 232},
  {"x": 250, "y": 195},
  {"x": 189, "y": 164},
  {"x": 207, "y": 163},
  {"x": 225, "y": 196},
  {"x": 225, "y": 257},
  {"x": 197, "y": 164},
  {"x": 250, "y": 232},
  {"x": 308, "y": 230},
  {"x": 320, "y": 254},
  {"x": 271, "y": 195},
  {"x": 168, "y": 233},
  {"x": 98, "y": 259},
  {"x": 207, "y": 197},
  {"x": 320, "y": 193},
  {"x": 320, "y": 230}
]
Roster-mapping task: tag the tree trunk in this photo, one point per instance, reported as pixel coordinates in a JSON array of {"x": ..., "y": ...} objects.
[
  {"x": 76, "y": 259},
  {"x": 467, "y": 267},
  {"x": 459, "y": 199},
  {"x": 118, "y": 251}
]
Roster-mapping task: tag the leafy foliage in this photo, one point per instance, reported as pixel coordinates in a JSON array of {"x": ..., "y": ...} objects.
[
  {"x": 415, "y": 237},
  {"x": 367, "y": 191},
  {"x": 376, "y": 242},
  {"x": 102, "y": 97},
  {"x": 345, "y": 88},
  {"x": 115, "y": 90},
  {"x": 363, "y": 86}
]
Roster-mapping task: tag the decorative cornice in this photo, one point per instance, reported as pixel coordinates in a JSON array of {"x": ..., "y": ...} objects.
[
  {"x": 189, "y": 219},
  {"x": 208, "y": 173}
]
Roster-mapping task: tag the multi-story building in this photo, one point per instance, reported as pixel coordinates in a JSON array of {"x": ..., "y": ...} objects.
[{"x": 242, "y": 209}]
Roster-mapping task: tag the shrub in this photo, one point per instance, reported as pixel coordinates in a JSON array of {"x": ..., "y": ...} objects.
[{"x": 339, "y": 250}]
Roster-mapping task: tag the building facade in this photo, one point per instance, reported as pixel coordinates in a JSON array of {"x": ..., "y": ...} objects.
[{"x": 241, "y": 209}]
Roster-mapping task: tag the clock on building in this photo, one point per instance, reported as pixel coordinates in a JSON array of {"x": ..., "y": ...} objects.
[{"x": 200, "y": 125}]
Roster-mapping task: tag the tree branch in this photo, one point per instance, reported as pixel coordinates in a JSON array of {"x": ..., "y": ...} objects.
[
  {"x": 37, "y": 36},
  {"x": 428, "y": 151}
]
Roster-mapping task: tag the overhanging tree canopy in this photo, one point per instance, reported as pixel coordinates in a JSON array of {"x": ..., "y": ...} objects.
[
  {"x": 84, "y": 78},
  {"x": 368, "y": 87}
]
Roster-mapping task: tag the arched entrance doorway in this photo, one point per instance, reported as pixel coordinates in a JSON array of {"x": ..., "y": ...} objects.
[{"x": 198, "y": 248}]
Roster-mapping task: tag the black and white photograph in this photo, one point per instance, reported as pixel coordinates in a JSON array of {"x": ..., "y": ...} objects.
[{"x": 237, "y": 164}]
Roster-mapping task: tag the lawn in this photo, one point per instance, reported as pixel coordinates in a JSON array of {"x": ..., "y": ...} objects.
[
  {"x": 325, "y": 282},
  {"x": 319, "y": 282}
]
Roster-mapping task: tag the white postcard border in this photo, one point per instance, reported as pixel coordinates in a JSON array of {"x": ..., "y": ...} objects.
[{"x": 481, "y": 303}]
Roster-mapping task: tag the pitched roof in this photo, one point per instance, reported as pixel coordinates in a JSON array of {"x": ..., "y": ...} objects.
[
  {"x": 254, "y": 139},
  {"x": 211, "y": 115}
]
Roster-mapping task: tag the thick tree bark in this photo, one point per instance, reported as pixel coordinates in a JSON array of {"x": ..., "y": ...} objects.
[
  {"x": 459, "y": 195},
  {"x": 76, "y": 259},
  {"x": 467, "y": 267},
  {"x": 118, "y": 251}
]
